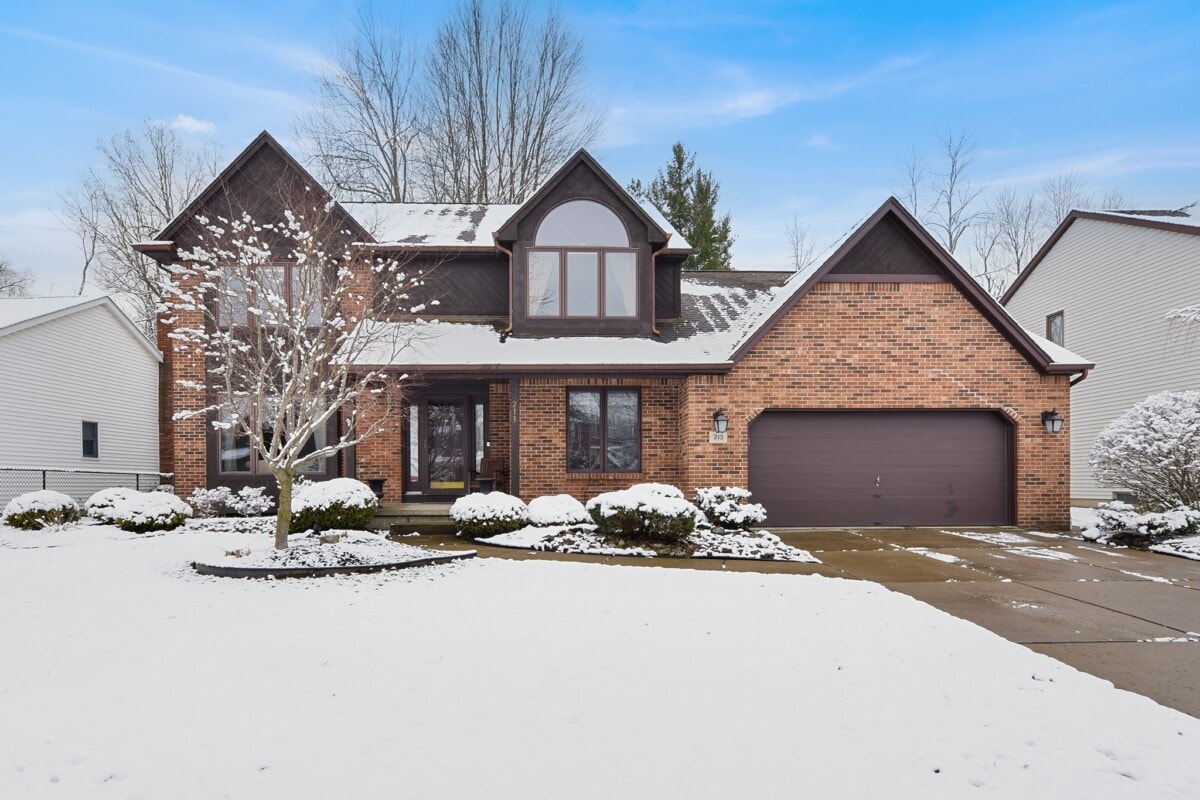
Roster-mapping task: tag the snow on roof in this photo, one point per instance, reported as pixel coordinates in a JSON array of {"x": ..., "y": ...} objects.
[
  {"x": 456, "y": 225},
  {"x": 719, "y": 311},
  {"x": 1058, "y": 354},
  {"x": 431, "y": 224},
  {"x": 16, "y": 310},
  {"x": 1188, "y": 215}
]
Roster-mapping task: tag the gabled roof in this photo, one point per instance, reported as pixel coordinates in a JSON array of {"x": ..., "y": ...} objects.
[
  {"x": 165, "y": 238},
  {"x": 1180, "y": 220},
  {"x": 653, "y": 220},
  {"x": 19, "y": 313},
  {"x": 1022, "y": 340}
]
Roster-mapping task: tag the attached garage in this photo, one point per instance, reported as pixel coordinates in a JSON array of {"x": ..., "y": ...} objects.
[{"x": 882, "y": 467}]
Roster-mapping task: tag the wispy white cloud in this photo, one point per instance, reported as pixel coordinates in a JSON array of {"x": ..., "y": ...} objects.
[
  {"x": 730, "y": 94},
  {"x": 183, "y": 122},
  {"x": 1104, "y": 164},
  {"x": 819, "y": 141},
  {"x": 273, "y": 96}
]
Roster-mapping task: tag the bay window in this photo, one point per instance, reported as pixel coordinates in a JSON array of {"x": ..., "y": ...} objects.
[{"x": 236, "y": 451}]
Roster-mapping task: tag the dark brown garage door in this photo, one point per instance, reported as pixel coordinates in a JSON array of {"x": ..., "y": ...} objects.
[{"x": 881, "y": 467}]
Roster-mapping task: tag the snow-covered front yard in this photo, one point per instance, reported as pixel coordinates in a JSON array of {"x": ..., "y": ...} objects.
[{"x": 125, "y": 674}]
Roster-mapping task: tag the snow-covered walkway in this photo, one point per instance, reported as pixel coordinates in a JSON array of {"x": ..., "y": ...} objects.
[{"x": 123, "y": 674}]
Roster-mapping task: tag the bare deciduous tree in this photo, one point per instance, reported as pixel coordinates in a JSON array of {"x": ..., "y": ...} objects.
[
  {"x": 913, "y": 169},
  {"x": 504, "y": 104},
  {"x": 14, "y": 282},
  {"x": 144, "y": 180},
  {"x": 1061, "y": 194},
  {"x": 945, "y": 179},
  {"x": 1014, "y": 224},
  {"x": 802, "y": 248},
  {"x": 950, "y": 214},
  {"x": 363, "y": 132},
  {"x": 282, "y": 344}
]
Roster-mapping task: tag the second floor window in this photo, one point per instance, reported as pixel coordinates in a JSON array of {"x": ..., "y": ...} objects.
[
  {"x": 581, "y": 264},
  {"x": 1054, "y": 328},
  {"x": 269, "y": 289}
]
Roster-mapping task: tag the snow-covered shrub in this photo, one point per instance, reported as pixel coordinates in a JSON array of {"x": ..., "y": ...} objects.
[
  {"x": 221, "y": 501},
  {"x": 150, "y": 511},
  {"x": 1153, "y": 449},
  {"x": 557, "y": 510},
  {"x": 40, "y": 509},
  {"x": 99, "y": 506},
  {"x": 338, "y": 503},
  {"x": 726, "y": 506},
  {"x": 1118, "y": 517},
  {"x": 644, "y": 511},
  {"x": 488, "y": 514}
]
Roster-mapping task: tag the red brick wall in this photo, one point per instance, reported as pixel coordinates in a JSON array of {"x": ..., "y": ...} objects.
[
  {"x": 382, "y": 454},
  {"x": 182, "y": 442},
  {"x": 543, "y": 438},
  {"x": 886, "y": 345}
]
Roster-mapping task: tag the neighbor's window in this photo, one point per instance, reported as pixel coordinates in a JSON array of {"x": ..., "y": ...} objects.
[
  {"x": 581, "y": 264},
  {"x": 1054, "y": 328},
  {"x": 604, "y": 430},
  {"x": 237, "y": 454},
  {"x": 91, "y": 440}
]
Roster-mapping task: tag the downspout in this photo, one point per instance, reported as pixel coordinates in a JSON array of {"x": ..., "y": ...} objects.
[
  {"x": 496, "y": 242},
  {"x": 653, "y": 286},
  {"x": 1080, "y": 379}
]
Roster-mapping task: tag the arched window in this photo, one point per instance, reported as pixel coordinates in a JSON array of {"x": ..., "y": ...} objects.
[
  {"x": 581, "y": 223},
  {"x": 581, "y": 264}
]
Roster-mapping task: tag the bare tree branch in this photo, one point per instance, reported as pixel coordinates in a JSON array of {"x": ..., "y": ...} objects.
[
  {"x": 504, "y": 103},
  {"x": 14, "y": 282},
  {"x": 363, "y": 132},
  {"x": 950, "y": 215},
  {"x": 801, "y": 245},
  {"x": 143, "y": 181}
]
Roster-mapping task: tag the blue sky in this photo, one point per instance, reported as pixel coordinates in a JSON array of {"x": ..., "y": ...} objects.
[{"x": 797, "y": 107}]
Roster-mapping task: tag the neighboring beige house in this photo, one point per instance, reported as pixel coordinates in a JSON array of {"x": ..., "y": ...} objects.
[
  {"x": 78, "y": 397},
  {"x": 1104, "y": 284}
]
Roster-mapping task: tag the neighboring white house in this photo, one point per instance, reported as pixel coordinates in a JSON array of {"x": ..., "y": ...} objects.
[
  {"x": 78, "y": 397},
  {"x": 1103, "y": 284}
]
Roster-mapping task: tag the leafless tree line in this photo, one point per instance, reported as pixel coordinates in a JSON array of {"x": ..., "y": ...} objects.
[
  {"x": 482, "y": 115},
  {"x": 994, "y": 230}
]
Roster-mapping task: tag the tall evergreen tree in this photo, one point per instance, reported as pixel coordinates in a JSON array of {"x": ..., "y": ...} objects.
[{"x": 687, "y": 197}]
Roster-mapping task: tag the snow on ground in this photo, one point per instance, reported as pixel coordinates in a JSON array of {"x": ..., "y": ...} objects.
[
  {"x": 1183, "y": 547},
  {"x": 995, "y": 537},
  {"x": 125, "y": 674},
  {"x": 757, "y": 545},
  {"x": 355, "y": 549}
]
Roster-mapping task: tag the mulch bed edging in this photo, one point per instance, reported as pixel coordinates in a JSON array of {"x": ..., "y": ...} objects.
[{"x": 230, "y": 571}]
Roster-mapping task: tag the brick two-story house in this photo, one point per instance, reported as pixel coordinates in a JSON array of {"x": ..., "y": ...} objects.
[{"x": 571, "y": 353}]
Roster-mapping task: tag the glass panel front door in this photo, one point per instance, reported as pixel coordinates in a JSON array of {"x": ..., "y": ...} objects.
[{"x": 445, "y": 446}]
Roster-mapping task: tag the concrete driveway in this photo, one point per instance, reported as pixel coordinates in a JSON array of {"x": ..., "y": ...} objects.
[{"x": 1130, "y": 617}]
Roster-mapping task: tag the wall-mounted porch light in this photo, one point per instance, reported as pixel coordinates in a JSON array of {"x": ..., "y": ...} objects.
[
  {"x": 1052, "y": 421},
  {"x": 720, "y": 421}
]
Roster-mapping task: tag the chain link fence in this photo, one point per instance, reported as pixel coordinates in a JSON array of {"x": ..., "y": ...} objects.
[{"x": 78, "y": 484}]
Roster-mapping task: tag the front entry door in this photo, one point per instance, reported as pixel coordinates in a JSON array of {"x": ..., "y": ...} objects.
[{"x": 445, "y": 447}]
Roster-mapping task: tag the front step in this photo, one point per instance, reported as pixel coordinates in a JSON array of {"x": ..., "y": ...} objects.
[{"x": 425, "y": 518}]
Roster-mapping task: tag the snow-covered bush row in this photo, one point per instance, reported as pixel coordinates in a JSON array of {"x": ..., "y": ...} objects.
[
  {"x": 40, "y": 509},
  {"x": 1153, "y": 449},
  {"x": 726, "y": 507},
  {"x": 99, "y": 506},
  {"x": 488, "y": 514},
  {"x": 339, "y": 503},
  {"x": 1118, "y": 517},
  {"x": 221, "y": 501},
  {"x": 649, "y": 511},
  {"x": 149, "y": 511},
  {"x": 557, "y": 510}
]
